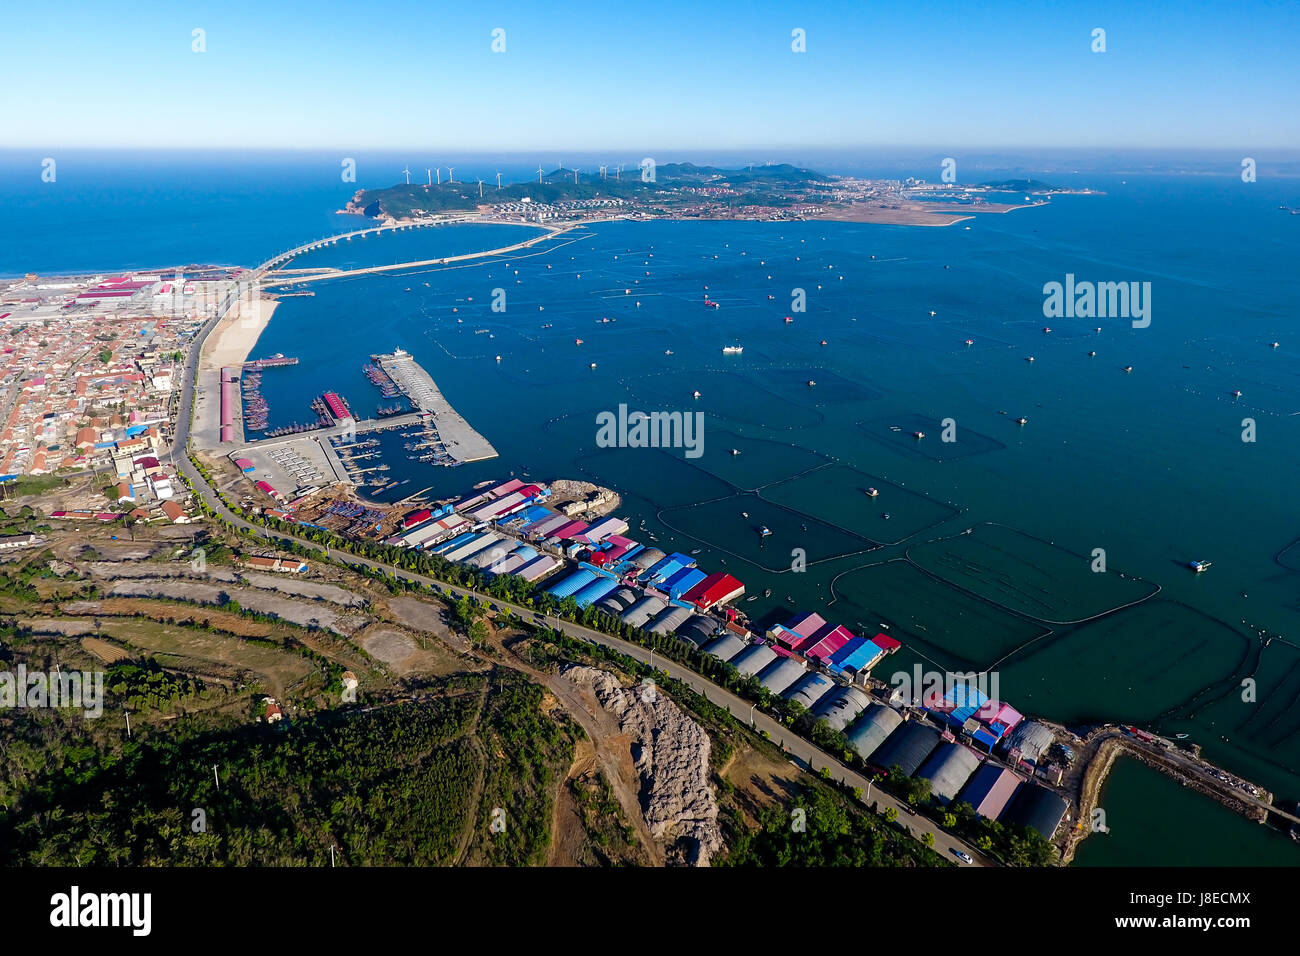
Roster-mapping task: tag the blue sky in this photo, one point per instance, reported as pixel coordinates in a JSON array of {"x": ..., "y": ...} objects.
[{"x": 650, "y": 76}]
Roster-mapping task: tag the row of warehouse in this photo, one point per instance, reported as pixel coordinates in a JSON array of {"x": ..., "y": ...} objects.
[
  {"x": 506, "y": 530},
  {"x": 884, "y": 738}
]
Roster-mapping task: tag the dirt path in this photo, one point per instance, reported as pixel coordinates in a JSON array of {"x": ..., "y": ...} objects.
[
  {"x": 612, "y": 748},
  {"x": 471, "y": 818},
  {"x": 567, "y": 831}
]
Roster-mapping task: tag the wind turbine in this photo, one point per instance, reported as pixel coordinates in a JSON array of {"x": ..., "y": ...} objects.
[
  {"x": 575, "y": 177},
  {"x": 480, "y": 189},
  {"x": 451, "y": 177},
  {"x": 407, "y": 170},
  {"x": 602, "y": 171},
  {"x": 439, "y": 170},
  {"x": 430, "y": 172},
  {"x": 618, "y": 171},
  {"x": 539, "y": 173},
  {"x": 498, "y": 179}
]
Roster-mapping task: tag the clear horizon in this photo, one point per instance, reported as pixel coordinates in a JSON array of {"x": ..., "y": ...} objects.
[{"x": 671, "y": 78}]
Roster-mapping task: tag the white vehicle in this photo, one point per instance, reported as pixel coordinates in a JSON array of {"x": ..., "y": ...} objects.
[{"x": 964, "y": 857}]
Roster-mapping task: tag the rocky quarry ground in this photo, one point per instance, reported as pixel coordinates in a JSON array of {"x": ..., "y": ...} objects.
[{"x": 671, "y": 752}]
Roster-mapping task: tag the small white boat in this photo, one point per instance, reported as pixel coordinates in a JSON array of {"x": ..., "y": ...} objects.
[{"x": 1199, "y": 566}]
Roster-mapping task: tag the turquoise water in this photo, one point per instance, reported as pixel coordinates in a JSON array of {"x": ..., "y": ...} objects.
[{"x": 1147, "y": 465}]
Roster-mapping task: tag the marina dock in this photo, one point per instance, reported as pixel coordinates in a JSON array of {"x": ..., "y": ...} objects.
[{"x": 460, "y": 440}]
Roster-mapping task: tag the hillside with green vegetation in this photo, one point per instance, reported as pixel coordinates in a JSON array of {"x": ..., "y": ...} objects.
[
  {"x": 759, "y": 185},
  {"x": 467, "y": 773}
]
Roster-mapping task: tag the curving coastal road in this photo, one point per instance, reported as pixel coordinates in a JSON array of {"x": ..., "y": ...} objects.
[{"x": 802, "y": 752}]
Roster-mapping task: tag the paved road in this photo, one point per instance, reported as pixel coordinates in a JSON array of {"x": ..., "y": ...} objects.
[{"x": 803, "y": 753}]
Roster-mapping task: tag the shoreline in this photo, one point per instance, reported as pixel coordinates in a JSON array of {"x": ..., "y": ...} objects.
[{"x": 228, "y": 345}]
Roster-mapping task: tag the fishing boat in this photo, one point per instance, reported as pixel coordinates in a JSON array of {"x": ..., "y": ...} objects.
[
  {"x": 1236, "y": 393},
  {"x": 767, "y": 592},
  {"x": 872, "y": 492},
  {"x": 732, "y": 349},
  {"x": 735, "y": 451},
  {"x": 970, "y": 341},
  {"x": 1022, "y": 421},
  {"x": 752, "y": 597},
  {"x": 764, "y": 531},
  {"x": 918, "y": 435},
  {"x": 1128, "y": 368},
  {"x": 744, "y": 514},
  {"x": 811, "y": 383},
  {"x": 1199, "y": 566},
  {"x": 1180, "y": 736}
]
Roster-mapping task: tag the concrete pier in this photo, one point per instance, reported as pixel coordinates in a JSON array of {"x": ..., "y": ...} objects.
[{"x": 460, "y": 440}]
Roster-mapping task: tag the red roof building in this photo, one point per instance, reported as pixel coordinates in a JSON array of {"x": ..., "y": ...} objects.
[
  {"x": 416, "y": 517},
  {"x": 717, "y": 588}
]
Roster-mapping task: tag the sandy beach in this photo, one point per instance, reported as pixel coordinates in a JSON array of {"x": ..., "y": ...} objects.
[{"x": 229, "y": 344}]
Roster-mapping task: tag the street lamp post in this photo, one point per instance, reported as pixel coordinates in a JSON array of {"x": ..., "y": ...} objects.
[{"x": 751, "y": 714}]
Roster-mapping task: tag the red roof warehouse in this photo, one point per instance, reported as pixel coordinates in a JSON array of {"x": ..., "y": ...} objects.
[{"x": 717, "y": 588}]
